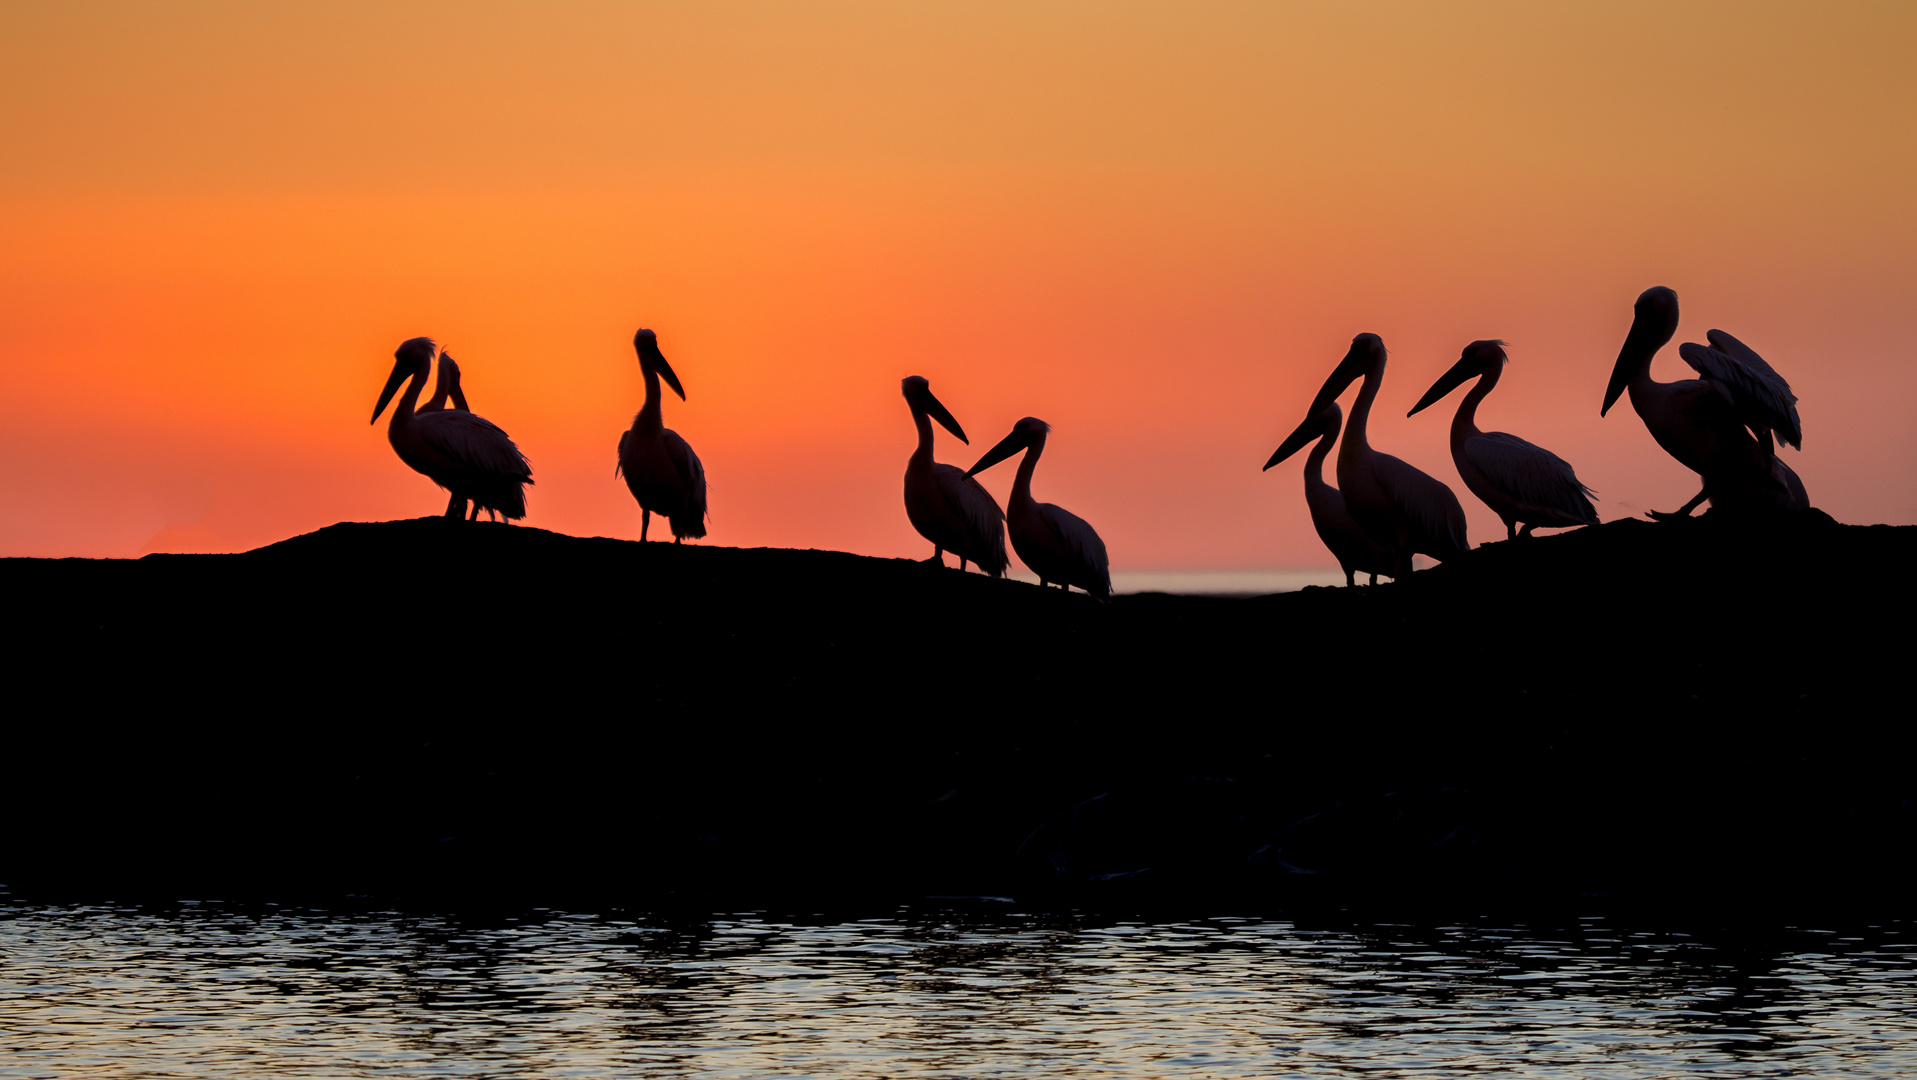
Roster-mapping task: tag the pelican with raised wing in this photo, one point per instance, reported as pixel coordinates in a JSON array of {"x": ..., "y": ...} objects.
[
  {"x": 661, "y": 471},
  {"x": 1356, "y": 553},
  {"x": 460, "y": 451},
  {"x": 1400, "y": 509},
  {"x": 947, "y": 507},
  {"x": 1722, "y": 426},
  {"x": 1058, "y": 545},
  {"x": 1522, "y": 482}
]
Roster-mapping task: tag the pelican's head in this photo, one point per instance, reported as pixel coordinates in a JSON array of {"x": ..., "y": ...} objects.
[
  {"x": 1480, "y": 358},
  {"x": 1367, "y": 353},
  {"x": 449, "y": 374},
  {"x": 1325, "y": 422},
  {"x": 918, "y": 395},
  {"x": 1652, "y": 326},
  {"x": 413, "y": 357},
  {"x": 646, "y": 343},
  {"x": 1030, "y": 431}
]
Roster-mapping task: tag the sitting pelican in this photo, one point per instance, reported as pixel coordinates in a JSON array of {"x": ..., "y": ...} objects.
[
  {"x": 1522, "y": 482},
  {"x": 1402, "y": 510},
  {"x": 1055, "y": 543},
  {"x": 947, "y": 507},
  {"x": 458, "y": 450},
  {"x": 661, "y": 470},
  {"x": 1354, "y": 550},
  {"x": 1707, "y": 423}
]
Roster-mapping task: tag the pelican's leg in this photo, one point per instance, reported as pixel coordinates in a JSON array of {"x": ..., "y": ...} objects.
[
  {"x": 1526, "y": 531},
  {"x": 475, "y": 514},
  {"x": 645, "y": 522},
  {"x": 1511, "y": 530},
  {"x": 961, "y": 564},
  {"x": 456, "y": 508},
  {"x": 1685, "y": 510},
  {"x": 938, "y": 555},
  {"x": 1374, "y": 577},
  {"x": 1351, "y": 579}
]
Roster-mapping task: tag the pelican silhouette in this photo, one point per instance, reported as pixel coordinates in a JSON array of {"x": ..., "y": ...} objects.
[
  {"x": 947, "y": 507},
  {"x": 1055, "y": 543},
  {"x": 1402, "y": 510},
  {"x": 445, "y": 384},
  {"x": 1720, "y": 426},
  {"x": 460, "y": 451},
  {"x": 661, "y": 470},
  {"x": 1356, "y": 553},
  {"x": 1521, "y": 481}
]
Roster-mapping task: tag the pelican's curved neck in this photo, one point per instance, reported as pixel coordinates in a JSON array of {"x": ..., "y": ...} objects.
[
  {"x": 1315, "y": 460},
  {"x": 1465, "y": 423},
  {"x": 1027, "y": 465},
  {"x": 923, "y": 422},
  {"x": 1355, "y": 442},
  {"x": 408, "y": 400},
  {"x": 649, "y": 412}
]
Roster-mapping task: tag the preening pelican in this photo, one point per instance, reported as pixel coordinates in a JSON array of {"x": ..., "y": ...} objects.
[
  {"x": 947, "y": 507},
  {"x": 1055, "y": 543},
  {"x": 460, "y": 451},
  {"x": 1522, "y": 482},
  {"x": 1402, "y": 510},
  {"x": 1719, "y": 426},
  {"x": 661, "y": 470},
  {"x": 1356, "y": 553}
]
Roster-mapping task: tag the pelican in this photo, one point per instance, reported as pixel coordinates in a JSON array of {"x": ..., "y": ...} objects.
[
  {"x": 1356, "y": 553},
  {"x": 1055, "y": 543},
  {"x": 1522, "y": 482},
  {"x": 947, "y": 507},
  {"x": 1401, "y": 509},
  {"x": 661, "y": 470},
  {"x": 1721, "y": 426},
  {"x": 460, "y": 451}
]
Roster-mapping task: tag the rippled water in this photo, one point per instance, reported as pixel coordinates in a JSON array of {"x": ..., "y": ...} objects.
[{"x": 207, "y": 992}]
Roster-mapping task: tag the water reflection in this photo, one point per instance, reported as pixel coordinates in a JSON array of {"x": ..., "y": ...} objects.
[{"x": 209, "y": 992}]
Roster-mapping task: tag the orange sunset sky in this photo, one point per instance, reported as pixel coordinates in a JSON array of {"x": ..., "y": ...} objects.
[{"x": 1156, "y": 226}]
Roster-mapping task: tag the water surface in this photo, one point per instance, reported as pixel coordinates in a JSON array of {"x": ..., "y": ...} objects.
[{"x": 205, "y": 991}]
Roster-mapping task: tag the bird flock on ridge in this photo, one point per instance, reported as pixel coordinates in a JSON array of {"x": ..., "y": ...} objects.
[{"x": 1723, "y": 425}]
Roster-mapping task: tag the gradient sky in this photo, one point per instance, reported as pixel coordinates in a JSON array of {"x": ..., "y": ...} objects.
[{"x": 1156, "y": 226}]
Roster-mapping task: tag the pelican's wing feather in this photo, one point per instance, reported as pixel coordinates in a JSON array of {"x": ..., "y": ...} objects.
[
  {"x": 1761, "y": 395},
  {"x": 1434, "y": 513},
  {"x": 619, "y": 463},
  {"x": 1078, "y": 539},
  {"x": 1531, "y": 475},
  {"x": 474, "y": 442},
  {"x": 691, "y": 470},
  {"x": 984, "y": 521}
]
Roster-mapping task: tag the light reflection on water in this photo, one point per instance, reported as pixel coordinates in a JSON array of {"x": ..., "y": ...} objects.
[{"x": 210, "y": 992}]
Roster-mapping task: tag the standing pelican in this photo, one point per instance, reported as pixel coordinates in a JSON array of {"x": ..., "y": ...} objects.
[
  {"x": 947, "y": 507},
  {"x": 445, "y": 384},
  {"x": 460, "y": 451},
  {"x": 1522, "y": 482},
  {"x": 661, "y": 470},
  {"x": 1356, "y": 553},
  {"x": 1707, "y": 423},
  {"x": 1401, "y": 509},
  {"x": 1055, "y": 543}
]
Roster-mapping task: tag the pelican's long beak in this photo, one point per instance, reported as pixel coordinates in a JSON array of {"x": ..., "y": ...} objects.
[
  {"x": 1009, "y": 445},
  {"x": 393, "y": 383},
  {"x": 1300, "y": 437},
  {"x": 937, "y": 412},
  {"x": 665, "y": 370},
  {"x": 459, "y": 398},
  {"x": 1464, "y": 370},
  {"x": 1652, "y": 328}
]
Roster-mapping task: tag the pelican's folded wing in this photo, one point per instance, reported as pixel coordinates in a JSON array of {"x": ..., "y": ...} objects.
[
  {"x": 1759, "y": 392},
  {"x": 1077, "y": 538},
  {"x": 473, "y": 442},
  {"x": 978, "y": 509},
  {"x": 1436, "y": 517},
  {"x": 691, "y": 470},
  {"x": 1531, "y": 475}
]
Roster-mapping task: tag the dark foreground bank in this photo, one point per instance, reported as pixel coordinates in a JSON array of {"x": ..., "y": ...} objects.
[{"x": 1683, "y": 714}]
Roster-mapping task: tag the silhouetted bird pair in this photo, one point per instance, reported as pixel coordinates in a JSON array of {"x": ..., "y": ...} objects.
[
  {"x": 476, "y": 461},
  {"x": 1385, "y": 511},
  {"x": 955, "y": 512}
]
